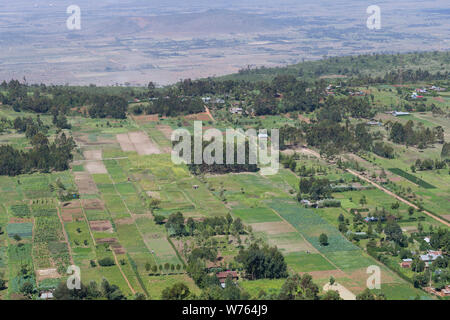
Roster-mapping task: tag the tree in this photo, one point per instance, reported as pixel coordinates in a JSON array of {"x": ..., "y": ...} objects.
[
  {"x": 27, "y": 288},
  {"x": 299, "y": 287},
  {"x": 370, "y": 295},
  {"x": 331, "y": 295},
  {"x": 175, "y": 223},
  {"x": 179, "y": 291},
  {"x": 262, "y": 262},
  {"x": 323, "y": 239}
]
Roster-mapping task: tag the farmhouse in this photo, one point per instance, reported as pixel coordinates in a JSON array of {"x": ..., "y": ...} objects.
[
  {"x": 236, "y": 110},
  {"x": 222, "y": 276},
  {"x": 406, "y": 263},
  {"x": 46, "y": 295},
  {"x": 400, "y": 113},
  {"x": 430, "y": 256}
]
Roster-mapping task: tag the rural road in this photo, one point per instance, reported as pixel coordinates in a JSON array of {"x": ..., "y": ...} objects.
[
  {"x": 316, "y": 154},
  {"x": 397, "y": 197},
  {"x": 209, "y": 113}
]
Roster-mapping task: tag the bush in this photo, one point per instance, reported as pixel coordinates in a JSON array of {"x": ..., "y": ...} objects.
[{"x": 106, "y": 262}]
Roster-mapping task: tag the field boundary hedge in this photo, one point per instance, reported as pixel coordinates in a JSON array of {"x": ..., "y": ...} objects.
[{"x": 411, "y": 178}]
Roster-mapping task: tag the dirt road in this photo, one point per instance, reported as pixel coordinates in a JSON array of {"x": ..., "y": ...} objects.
[{"x": 397, "y": 197}]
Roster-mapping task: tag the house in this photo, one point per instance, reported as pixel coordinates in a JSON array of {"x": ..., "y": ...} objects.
[
  {"x": 236, "y": 110},
  {"x": 400, "y": 113},
  {"x": 430, "y": 256},
  {"x": 206, "y": 99},
  {"x": 46, "y": 295},
  {"x": 406, "y": 263},
  {"x": 305, "y": 202},
  {"x": 427, "y": 240},
  {"x": 222, "y": 276},
  {"x": 374, "y": 123}
]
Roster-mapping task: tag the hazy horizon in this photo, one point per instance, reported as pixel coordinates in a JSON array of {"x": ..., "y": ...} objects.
[{"x": 137, "y": 41}]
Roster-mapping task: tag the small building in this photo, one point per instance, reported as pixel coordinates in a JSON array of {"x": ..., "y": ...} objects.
[
  {"x": 427, "y": 240},
  {"x": 430, "y": 256},
  {"x": 374, "y": 123},
  {"x": 236, "y": 110},
  {"x": 406, "y": 263},
  {"x": 223, "y": 275},
  {"x": 263, "y": 136},
  {"x": 400, "y": 113},
  {"x": 46, "y": 295}
]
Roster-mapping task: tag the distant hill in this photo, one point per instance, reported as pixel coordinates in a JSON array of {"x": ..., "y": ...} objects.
[{"x": 348, "y": 66}]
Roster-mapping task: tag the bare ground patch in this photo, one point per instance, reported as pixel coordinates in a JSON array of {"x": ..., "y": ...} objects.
[
  {"x": 93, "y": 154},
  {"x": 166, "y": 130},
  {"x": 273, "y": 227},
  {"x": 94, "y": 167},
  {"x": 85, "y": 183},
  {"x": 50, "y": 273},
  {"x": 106, "y": 240},
  {"x": 138, "y": 142},
  {"x": 93, "y": 204},
  {"x": 118, "y": 249},
  {"x": 343, "y": 291},
  {"x": 101, "y": 225},
  {"x": 143, "y": 144},
  {"x": 125, "y": 144}
]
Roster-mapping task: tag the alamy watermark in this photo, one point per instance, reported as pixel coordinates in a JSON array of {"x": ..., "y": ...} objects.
[
  {"x": 74, "y": 280},
  {"x": 249, "y": 147},
  {"x": 374, "y": 20},
  {"x": 74, "y": 20},
  {"x": 374, "y": 280}
]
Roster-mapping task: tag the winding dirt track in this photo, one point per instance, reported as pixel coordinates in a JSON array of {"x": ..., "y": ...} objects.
[
  {"x": 397, "y": 197},
  {"x": 316, "y": 154}
]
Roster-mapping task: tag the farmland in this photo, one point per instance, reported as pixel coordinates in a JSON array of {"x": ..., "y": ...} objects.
[{"x": 123, "y": 212}]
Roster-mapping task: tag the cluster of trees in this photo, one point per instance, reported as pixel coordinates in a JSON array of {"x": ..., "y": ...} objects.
[
  {"x": 208, "y": 227},
  {"x": 316, "y": 188},
  {"x": 383, "y": 150},
  {"x": 44, "y": 155},
  {"x": 336, "y": 109},
  {"x": 58, "y": 100},
  {"x": 332, "y": 138},
  {"x": 408, "y": 135},
  {"x": 172, "y": 105},
  {"x": 108, "y": 106},
  {"x": 223, "y": 168},
  {"x": 90, "y": 292},
  {"x": 428, "y": 164},
  {"x": 262, "y": 262}
]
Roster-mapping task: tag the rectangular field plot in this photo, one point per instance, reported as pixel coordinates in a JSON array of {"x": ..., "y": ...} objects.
[
  {"x": 307, "y": 262},
  {"x": 290, "y": 242},
  {"x": 311, "y": 225},
  {"x": 255, "y": 215},
  {"x": 24, "y": 230},
  {"x": 412, "y": 178},
  {"x": 254, "y": 287},
  {"x": 156, "y": 284}
]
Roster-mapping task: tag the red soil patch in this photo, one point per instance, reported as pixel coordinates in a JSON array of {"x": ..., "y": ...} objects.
[
  {"x": 106, "y": 240},
  {"x": 147, "y": 118},
  {"x": 19, "y": 220},
  {"x": 118, "y": 249},
  {"x": 85, "y": 183},
  {"x": 93, "y": 204},
  {"x": 204, "y": 116},
  {"x": 101, "y": 225}
]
